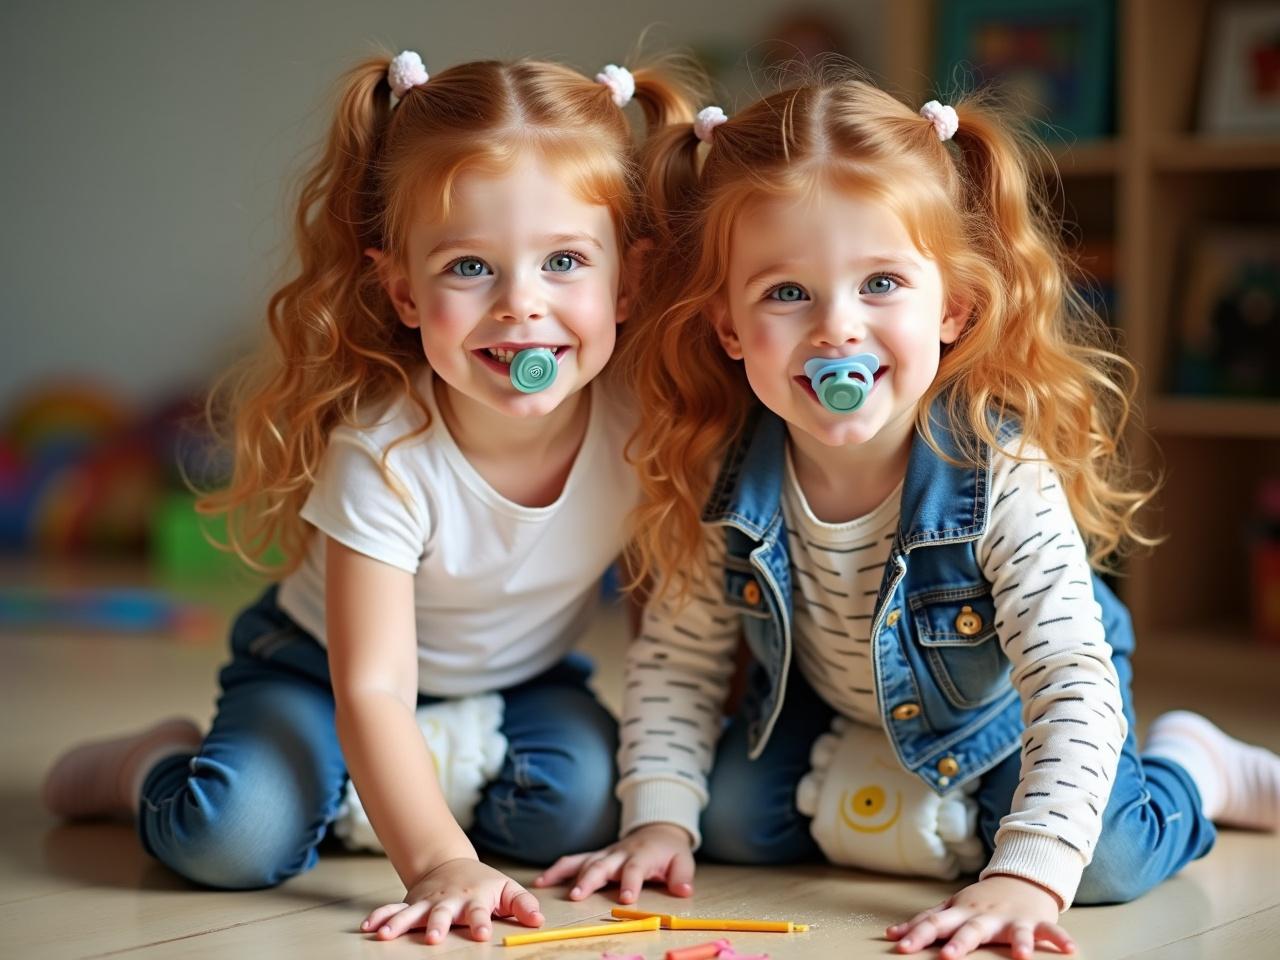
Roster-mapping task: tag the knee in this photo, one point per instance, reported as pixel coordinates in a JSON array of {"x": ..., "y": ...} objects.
[
  {"x": 738, "y": 833},
  {"x": 245, "y": 839},
  {"x": 228, "y": 863},
  {"x": 553, "y": 800},
  {"x": 1118, "y": 873},
  {"x": 577, "y": 809},
  {"x": 581, "y": 824},
  {"x": 748, "y": 822}
]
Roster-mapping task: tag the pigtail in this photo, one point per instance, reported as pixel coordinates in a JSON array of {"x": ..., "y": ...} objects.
[
  {"x": 669, "y": 166},
  {"x": 694, "y": 398},
  {"x": 335, "y": 341},
  {"x": 1035, "y": 350},
  {"x": 667, "y": 92}
]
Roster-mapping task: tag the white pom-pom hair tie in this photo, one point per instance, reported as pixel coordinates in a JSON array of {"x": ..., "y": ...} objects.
[
  {"x": 620, "y": 83},
  {"x": 943, "y": 117},
  {"x": 705, "y": 123},
  {"x": 406, "y": 72}
]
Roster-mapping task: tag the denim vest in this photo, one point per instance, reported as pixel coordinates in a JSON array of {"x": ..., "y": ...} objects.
[{"x": 941, "y": 678}]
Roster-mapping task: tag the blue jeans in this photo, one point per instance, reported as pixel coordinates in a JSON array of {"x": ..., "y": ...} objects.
[
  {"x": 1152, "y": 826},
  {"x": 251, "y": 807}
]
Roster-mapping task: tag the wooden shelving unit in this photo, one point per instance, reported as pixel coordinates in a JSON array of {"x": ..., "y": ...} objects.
[
  {"x": 1092, "y": 158},
  {"x": 1147, "y": 189},
  {"x": 1190, "y": 154},
  {"x": 1176, "y": 416}
]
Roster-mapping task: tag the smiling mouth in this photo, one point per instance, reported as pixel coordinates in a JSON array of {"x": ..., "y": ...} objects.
[
  {"x": 807, "y": 386},
  {"x": 499, "y": 358}
]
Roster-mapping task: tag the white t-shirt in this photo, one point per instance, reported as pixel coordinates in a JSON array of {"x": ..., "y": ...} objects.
[{"x": 502, "y": 591}]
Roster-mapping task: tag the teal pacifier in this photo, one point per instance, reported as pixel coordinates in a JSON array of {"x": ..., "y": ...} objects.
[
  {"x": 533, "y": 369},
  {"x": 842, "y": 384}
]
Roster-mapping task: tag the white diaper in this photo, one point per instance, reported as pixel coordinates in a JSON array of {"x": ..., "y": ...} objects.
[
  {"x": 868, "y": 812},
  {"x": 466, "y": 742}
]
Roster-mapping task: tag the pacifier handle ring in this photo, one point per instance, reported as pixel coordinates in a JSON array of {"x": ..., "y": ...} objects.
[
  {"x": 533, "y": 369},
  {"x": 842, "y": 383}
]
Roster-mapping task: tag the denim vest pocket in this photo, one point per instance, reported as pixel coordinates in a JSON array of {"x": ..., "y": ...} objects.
[{"x": 955, "y": 628}]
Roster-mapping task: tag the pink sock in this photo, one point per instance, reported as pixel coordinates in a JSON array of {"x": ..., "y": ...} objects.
[
  {"x": 103, "y": 778},
  {"x": 1239, "y": 783}
]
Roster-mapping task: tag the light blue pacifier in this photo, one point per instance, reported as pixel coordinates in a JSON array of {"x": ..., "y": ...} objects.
[
  {"x": 533, "y": 369},
  {"x": 842, "y": 384}
]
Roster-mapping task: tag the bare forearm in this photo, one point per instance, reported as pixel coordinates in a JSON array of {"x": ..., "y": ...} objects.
[{"x": 395, "y": 775}]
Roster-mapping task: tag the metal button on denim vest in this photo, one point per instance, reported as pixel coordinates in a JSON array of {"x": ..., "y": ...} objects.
[{"x": 941, "y": 679}]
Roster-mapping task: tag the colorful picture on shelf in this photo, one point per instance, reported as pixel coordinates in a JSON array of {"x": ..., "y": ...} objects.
[
  {"x": 1229, "y": 342},
  {"x": 1241, "y": 92},
  {"x": 1052, "y": 60}
]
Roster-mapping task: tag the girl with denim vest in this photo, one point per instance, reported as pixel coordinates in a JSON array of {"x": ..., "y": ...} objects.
[
  {"x": 882, "y": 441},
  {"x": 426, "y": 445}
]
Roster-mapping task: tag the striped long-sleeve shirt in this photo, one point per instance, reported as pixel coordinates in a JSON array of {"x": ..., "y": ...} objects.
[{"x": 1047, "y": 623}]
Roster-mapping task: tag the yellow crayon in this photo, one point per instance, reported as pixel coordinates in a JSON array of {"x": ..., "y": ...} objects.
[
  {"x": 670, "y": 922},
  {"x": 573, "y": 933},
  {"x": 621, "y": 913}
]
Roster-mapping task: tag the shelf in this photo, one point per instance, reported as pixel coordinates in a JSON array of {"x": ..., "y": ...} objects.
[
  {"x": 1209, "y": 155},
  {"x": 1233, "y": 635},
  {"x": 1100, "y": 158},
  {"x": 1089, "y": 158},
  {"x": 1206, "y": 417}
]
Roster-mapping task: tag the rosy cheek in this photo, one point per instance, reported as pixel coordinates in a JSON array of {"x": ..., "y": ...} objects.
[
  {"x": 590, "y": 299},
  {"x": 762, "y": 340},
  {"x": 449, "y": 309}
]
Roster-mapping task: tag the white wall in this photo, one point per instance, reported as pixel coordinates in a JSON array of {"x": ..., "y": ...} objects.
[{"x": 146, "y": 147}]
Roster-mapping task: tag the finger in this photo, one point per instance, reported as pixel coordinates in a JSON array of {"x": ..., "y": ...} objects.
[
  {"x": 561, "y": 870},
  {"x": 518, "y": 902},
  {"x": 1022, "y": 942},
  {"x": 479, "y": 919},
  {"x": 968, "y": 937},
  {"x": 920, "y": 935},
  {"x": 597, "y": 874},
  {"x": 948, "y": 921},
  {"x": 680, "y": 875},
  {"x": 378, "y": 917},
  {"x": 439, "y": 920},
  {"x": 632, "y": 879},
  {"x": 900, "y": 930},
  {"x": 402, "y": 922},
  {"x": 1056, "y": 935}
]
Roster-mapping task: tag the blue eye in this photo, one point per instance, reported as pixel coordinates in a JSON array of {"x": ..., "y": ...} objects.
[
  {"x": 470, "y": 267},
  {"x": 880, "y": 284},
  {"x": 561, "y": 263},
  {"x": 788, "y": 293}
]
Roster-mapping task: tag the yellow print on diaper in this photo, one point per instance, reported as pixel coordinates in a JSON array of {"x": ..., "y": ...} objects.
[{"x": 865, "y": 804}]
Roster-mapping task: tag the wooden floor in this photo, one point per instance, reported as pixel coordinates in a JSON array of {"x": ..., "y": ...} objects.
[{"x": 89, "y": 891}]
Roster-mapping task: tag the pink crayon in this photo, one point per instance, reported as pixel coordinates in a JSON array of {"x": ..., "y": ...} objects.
[{"x": 702, "y": 951}]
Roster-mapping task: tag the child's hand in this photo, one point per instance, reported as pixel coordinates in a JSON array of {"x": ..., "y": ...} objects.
[
  {"x": 461, "y": 891},
  {"x": 995, "y": 910},
  {"x": 656, "y": 851}
]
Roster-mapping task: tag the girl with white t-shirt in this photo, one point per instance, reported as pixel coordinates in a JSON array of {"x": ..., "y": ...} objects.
[{"x": 427, "y": 446}]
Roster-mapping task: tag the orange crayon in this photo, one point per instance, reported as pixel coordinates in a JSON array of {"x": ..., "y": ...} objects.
[{"x": 670, "y": 922}]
